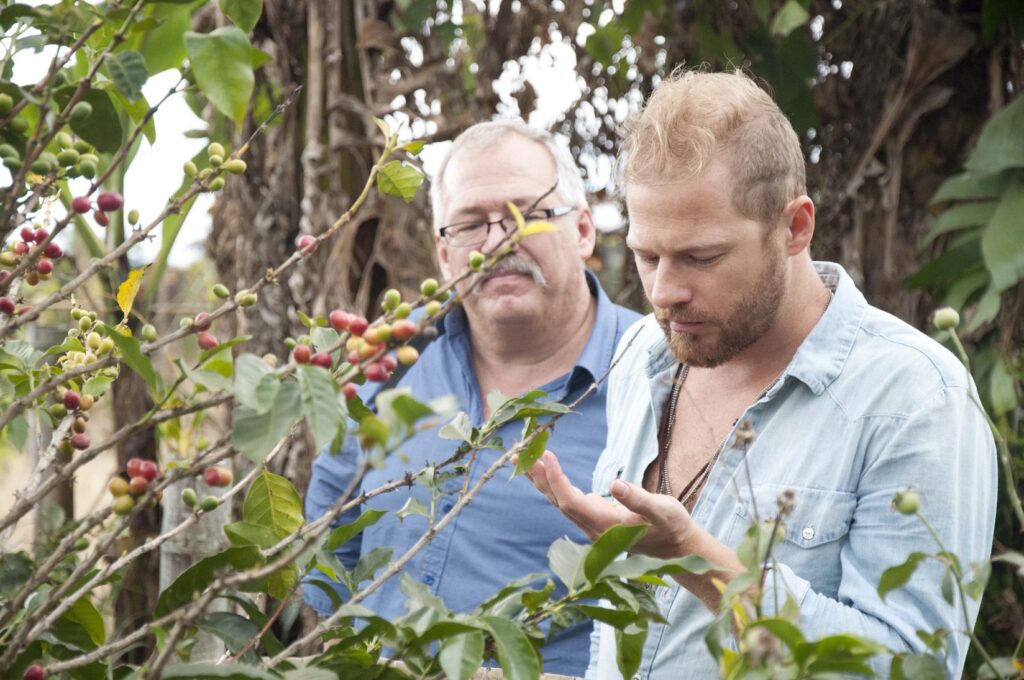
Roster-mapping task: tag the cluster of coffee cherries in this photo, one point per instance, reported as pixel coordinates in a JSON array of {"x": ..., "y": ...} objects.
[
  {"x": 215, "y": 154},
  {"x": 202, "y": 321},
  {"x": 140, "y": 473},
  {"x": 29, "y": 245},
  {"x": 212, "y": 476},
  {"x": 71, "y": 402},
  {"x": 96, "y": 340},
  {"x": 73, "y": 158},
  {"x": 106, "y": 202},
  {"x": 372, "y": 342}
]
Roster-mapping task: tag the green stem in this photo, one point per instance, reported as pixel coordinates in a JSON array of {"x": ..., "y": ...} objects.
[
  {"x": 955, "y": 568},
  {"x": 1001, "y": 443}
]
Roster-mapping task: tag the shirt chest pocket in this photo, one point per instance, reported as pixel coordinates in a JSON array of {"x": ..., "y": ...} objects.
[{"x": 816, "y": 529}]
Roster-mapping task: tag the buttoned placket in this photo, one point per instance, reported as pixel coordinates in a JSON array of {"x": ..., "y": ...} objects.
[{"x": 722, "y": 473}]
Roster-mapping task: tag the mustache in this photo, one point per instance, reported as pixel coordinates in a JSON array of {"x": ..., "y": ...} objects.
[
  {"x": 519, "y": 265},
  {"x": 665, "y": 314}
]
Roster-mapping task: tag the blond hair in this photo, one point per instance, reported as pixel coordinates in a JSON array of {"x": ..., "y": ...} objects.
[{"x": 694, "y": 117}]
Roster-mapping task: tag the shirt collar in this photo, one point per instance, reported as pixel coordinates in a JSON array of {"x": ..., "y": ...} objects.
[
  {"x": 821, "y": 356},
  {"x": 598, "y": 351}
]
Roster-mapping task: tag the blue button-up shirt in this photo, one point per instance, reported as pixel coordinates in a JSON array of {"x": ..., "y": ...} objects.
[
  {"x": 505, "y": 533},
  {"x": 867, "y": 406}
]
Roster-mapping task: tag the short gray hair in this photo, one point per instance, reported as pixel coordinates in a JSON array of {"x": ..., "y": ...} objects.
[{"x": 570, "y": 183}]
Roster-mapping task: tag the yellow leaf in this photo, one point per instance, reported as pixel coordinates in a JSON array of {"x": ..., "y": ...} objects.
[
  {"x": 517, "y": 216},
  {"x": 127, "y": 291},
  {"x": 537, "y": 228}
]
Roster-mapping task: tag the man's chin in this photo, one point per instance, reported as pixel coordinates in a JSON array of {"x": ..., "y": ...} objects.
[{"x": 696, "y": 351}]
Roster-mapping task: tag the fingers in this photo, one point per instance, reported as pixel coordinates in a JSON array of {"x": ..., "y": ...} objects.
[{"x": 658, "y": 509}]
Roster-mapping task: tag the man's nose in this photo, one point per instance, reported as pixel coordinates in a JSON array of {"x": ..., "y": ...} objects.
[
  {"x": 669, "y": 286},
  {"x": 497, "y": 230}
]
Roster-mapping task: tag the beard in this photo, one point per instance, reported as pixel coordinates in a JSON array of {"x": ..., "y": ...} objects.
[{"x": 749, "y": 320}]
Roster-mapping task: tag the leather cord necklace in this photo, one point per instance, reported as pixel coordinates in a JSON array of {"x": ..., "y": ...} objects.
[{"x": 667, "y": 423}]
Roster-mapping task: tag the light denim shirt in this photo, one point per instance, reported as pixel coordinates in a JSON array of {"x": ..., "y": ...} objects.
[
  {"x": 505, "y": 533},
  {"x": 868, "y": 406}
]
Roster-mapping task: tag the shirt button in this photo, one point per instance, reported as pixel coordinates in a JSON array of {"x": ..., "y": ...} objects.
[
  {"x": 807, "y": 533},
  {"x": 638, "y": 677},
  {"x": 428, "y": 579}
]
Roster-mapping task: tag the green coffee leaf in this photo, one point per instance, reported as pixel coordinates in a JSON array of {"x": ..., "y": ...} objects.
[
  {"x": 629, "y": 647},
  {"x": 256, "y": 434},
  {"x": 518, "y": 658},
  {"x": 532, "y": 453},
  {"x": 566, "y": 560},
  {"x": 608, "y": 546},
  {"x": 236, "y": 632},
  {"x": 917, "y": 667},
  {"x": 133, "y": 357},
  {"x": 222, "y": 63},
  {"x": 346, "y": 532},
  {"x": 162, "y": 46},
  {"x": 897, "y": 577},
  {"x": 1001, "y": 242},
  {"x": 194, "y": 579},
  {"x": 791, "y": 17},
  {"x": 273, "y": 502},
  {"x": 1000, "y": 145},
  {"x": 249, "y": 533},
  {"x": 412, "y": 507},
  {"x": 369, "y": 564},
  {"x": 84, "y": 612},
  {"x": 971, "y": 186},
  {"x": 102, "y": 128},
  {"x": 320, "y": 403},
  {"x": 243, "y": 13},
  {"x": 128, "y": 71},
  {"x": 255, "y": 383},
  {"x": 396, "y": 178},
  {"x": 459, "y": 429},
  {"x": 211, "y": 671},
  {"x": 462, "y": 655}
]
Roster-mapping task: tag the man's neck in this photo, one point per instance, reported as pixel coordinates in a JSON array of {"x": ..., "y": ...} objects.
[{"x": 515, "y": 358}]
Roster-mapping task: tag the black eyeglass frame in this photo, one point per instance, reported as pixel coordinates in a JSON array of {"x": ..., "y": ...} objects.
[{"x": 507, "y": 224}]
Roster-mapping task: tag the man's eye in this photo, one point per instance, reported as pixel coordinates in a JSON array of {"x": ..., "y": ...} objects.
[
  {"x": 465, "y": 228},
  {"x": 705, "y": 260},
  {"x": 534, "y": 215},
  {"x": 647, "y": 260}
]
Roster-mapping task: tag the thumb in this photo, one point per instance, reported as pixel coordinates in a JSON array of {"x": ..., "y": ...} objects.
[{"x": 648, "y": 505}]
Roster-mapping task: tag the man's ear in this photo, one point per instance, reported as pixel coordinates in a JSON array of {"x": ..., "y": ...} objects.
[
  {"x": 798, "y": 220},
  {"x": 586, "y": 233},
  {"x": 442, "y": 255}
]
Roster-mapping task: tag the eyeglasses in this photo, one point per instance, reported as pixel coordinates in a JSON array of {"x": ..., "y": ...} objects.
[{"x": 466, "y": 234}]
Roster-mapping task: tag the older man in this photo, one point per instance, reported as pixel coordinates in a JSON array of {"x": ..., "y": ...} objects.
[
  {"x": 539, "y": 321},
  {"x": 847, "y": 405}
]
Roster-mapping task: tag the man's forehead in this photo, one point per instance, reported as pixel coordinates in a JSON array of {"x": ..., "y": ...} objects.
[{"x": 497, "y": 201}]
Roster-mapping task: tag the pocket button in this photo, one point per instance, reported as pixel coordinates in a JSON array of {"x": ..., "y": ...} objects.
[{"x": 807, "y": 533}]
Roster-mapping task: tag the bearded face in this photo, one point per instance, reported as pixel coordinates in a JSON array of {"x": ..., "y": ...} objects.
[{"x": 721, "y": 334}]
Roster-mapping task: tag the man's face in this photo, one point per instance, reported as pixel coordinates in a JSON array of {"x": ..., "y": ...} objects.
[
  {"x": 715, "y": 279},
  {"x": 540, "y": 276}
]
